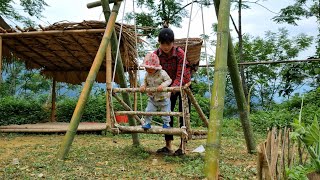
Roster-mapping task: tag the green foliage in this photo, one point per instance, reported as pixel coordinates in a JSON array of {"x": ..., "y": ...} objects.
[
  {"x": 21, "y": 111},
  {"x": 265, "y": 78},
  {"x": 297, "y": 173},
  {"x": 94, "y": 111},
  {"x": 310, "y": 136},
  {"x": 34, "y": 8},
  {"x": 282, "y": 115}
]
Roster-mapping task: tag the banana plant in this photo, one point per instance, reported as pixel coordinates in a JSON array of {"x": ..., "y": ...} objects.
[{"x": 310, "y": 137}]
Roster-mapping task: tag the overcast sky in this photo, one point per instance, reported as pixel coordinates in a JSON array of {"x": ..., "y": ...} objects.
[{"x": 256, "y": 21}]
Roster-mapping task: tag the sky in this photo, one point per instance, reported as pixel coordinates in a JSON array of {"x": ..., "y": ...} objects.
[{"x": 256, "y": 20}]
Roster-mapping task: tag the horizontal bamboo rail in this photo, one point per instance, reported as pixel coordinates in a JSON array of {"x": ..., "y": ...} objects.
[
  {"x": 269, "y": 62},
  {"x": 39, "y": 130},
  {"x": 197, "y": 107},
  {"x": 153, "y": 89},
  {"x": 53, "y": 32},
  {"x": 153, "y": 130},
  {"x": 125, "y": 105},
  {"x": 97, "y": 4},
  {"x": 148, "y": 113}
]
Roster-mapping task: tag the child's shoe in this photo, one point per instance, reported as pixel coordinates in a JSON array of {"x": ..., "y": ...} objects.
[
  {"x": 166, "y": 126},
  {"x": 146, "y": 126}
]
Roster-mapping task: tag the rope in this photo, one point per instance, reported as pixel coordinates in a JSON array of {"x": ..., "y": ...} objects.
[
  {"x": 117, "y": 54},
  {"x": 184, "y": 60},
  {"x": 205, "y": 49},
  {"x": 136, "y": 39}
]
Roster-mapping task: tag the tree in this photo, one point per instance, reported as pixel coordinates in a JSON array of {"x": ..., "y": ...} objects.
[
  {"x": 34, "y": 8},
  {"x": 270, "y": 80},
  {"x": 301, "y": 9},
  {"x": 163, "y": 13}
]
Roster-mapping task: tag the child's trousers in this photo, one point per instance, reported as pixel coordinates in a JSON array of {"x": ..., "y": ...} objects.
[{"x": 153, "y": 106}]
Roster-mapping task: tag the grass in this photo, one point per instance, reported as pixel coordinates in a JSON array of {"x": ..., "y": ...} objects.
[{"x": 95, "y": 156}]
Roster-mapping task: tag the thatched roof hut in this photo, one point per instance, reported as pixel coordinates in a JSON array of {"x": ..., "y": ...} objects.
[{"x": 65, "y": 51}]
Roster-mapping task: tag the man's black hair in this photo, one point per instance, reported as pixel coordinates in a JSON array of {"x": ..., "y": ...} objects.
[{"x": 166, "y": 36}]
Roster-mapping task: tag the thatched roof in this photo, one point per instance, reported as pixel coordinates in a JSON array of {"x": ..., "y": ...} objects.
[{"x": 66, "y": 50}]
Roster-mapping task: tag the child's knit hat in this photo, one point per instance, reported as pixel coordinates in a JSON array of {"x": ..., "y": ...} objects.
[{"x": 151, "y": 61}]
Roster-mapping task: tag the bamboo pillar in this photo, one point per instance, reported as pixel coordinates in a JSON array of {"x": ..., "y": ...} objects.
[
  {"x": 109, "y": 123},
  {"x": 119, "y": 68},
  {"x": 53, "y": 100},
  {"x": 75, "y": 120},
  {"x": 218, "y": 93},
  {"x": 0, "y": 60},
  {"x": 197, "y": 107},
  {"x": 239, "y": 93}
]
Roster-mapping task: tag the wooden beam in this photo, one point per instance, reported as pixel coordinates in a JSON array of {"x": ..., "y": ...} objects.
[
  {"x": 269, "y": 62},
  {"x": 153, "y": 130},
  {"x": 148, "y": 113},
  {"x": 52, "y": 32},
  {"x": 153, "y": 89}
]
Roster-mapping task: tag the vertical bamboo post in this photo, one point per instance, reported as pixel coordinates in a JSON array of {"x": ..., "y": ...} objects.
[
  {"x": 119, "y": 69},
  {"x": 75, "y": 120},
  {"x": 109, "y": 86},
  {"x": 53, "y": 100},
  {"x": 218, "y": 93},
  {"x": 0, "y": 60},
  {"x": 239, "y": 93}
]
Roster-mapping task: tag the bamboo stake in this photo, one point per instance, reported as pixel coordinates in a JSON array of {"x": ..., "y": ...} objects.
[
  {"x": 53, "y": 100},
  {"x": 239, "y": 93},
  {"x": 218, "y": 94},
  {"x": 65, "y": 146},
  {"x": 197, "y": 107},
  {"x": 109, "y": 85},
  {"x": 127, "y": 107},
  {"x": 148, "y": 113}
]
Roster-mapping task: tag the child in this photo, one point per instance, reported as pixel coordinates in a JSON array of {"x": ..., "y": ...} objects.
[{"x": 156, "y": 77}]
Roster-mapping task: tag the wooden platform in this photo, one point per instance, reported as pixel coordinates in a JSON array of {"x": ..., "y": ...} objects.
[{"x": 53, "y": 127}]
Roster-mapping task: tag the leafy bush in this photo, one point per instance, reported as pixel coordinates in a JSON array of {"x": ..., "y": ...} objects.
[{"x": 21, "y": 111}]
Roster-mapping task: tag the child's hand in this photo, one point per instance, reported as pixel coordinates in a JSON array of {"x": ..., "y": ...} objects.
[
  {"x": 143, "y": 88},
  {"x": 160, "y": 88}
]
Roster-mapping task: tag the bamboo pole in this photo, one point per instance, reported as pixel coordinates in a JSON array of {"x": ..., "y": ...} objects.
[
  {"x": 239, "y": 93},
  {"x": 148, "y": 113},
  {"x": 153, "y": 130},
  {"x": 52, "y": 32},
  {"x": 0, "y": 60},
  {"x": 197, "y": 107},
  {"x": 65, "y": 146},
  {"x": 109, "y": 124},
  {"x": 152, "y": 89},
  {"x": 119, "y": 68},
  {"x": 53, "y": 100},
  {"x": 218, "y": 93},
  {"x": 127, "y": 107}
]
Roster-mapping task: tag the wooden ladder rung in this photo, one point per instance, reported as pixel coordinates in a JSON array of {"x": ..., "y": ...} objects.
[
  {"x": 149, "y": 113},
  {"x": 153, "y": 89},
  {"x": 152, "y": 130}
]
